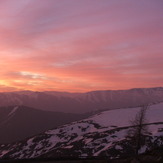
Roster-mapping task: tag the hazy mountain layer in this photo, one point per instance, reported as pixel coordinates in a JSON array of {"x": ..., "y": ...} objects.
[{"x": 83, "y": 102}]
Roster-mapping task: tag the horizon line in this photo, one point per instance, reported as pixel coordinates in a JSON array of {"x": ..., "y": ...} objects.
[{"x": 81, "y": 92}]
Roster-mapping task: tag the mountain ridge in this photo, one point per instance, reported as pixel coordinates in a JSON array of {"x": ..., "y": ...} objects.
[{"x": 83, "y": 102}]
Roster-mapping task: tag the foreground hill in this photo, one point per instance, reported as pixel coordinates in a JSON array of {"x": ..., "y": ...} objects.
[
  {"x": 103, "y": 134},
  {"x": 83, "y": 102},
  {"x": 20, "y": 122}
]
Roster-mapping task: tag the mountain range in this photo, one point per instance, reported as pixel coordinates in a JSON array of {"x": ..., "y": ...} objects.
[{"x": 83, "y": 102}]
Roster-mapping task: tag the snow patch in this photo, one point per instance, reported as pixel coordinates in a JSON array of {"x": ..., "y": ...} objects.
[
  {"x": 3, "y": 153},
  {"x": 142, "y": 149},
  {"x": 68, "y": 147},
  {"x": 13, "y": 110}
]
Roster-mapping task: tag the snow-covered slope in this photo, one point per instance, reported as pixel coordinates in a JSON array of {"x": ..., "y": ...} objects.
[
  {"x": 83, "y": 102},
  {"x": 100, "y": 135},
  {"x": 121, "y": 117}
]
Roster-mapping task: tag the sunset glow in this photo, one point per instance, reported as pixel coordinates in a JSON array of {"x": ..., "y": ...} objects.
[{"x": 80, "y": 45}]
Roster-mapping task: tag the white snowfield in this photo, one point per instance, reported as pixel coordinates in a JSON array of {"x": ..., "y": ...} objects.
[{"x": 122, "y": 117}]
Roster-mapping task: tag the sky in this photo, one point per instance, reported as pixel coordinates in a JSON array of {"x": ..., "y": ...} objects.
[{"x": 80, "y": 45}]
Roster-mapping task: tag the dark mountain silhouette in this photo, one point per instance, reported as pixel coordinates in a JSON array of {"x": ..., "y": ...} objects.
[{"x": 19, "y": 122}]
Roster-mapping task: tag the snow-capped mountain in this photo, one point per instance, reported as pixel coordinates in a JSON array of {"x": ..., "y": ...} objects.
[
  {"x": 83, "y": 102},
  {"x": 20, "y": 122},
  {"x": 103, "y": 134}
]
